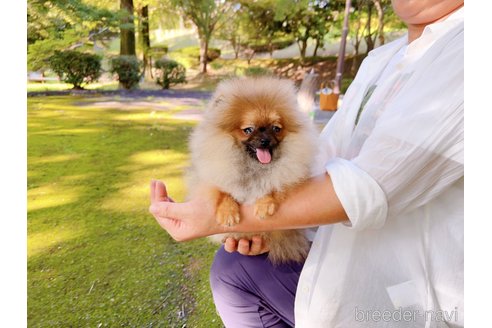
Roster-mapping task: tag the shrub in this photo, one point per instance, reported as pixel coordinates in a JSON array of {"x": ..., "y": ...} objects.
[
  {"x": 76, "y": 67},
  {"x": 217, "y": 65},
  {"x": 158, "y": 52},
  {"x": 169, "y": 72},
  {"x": 212, "y": 54},
  {"x": 257, "y": 71},
  {"x": 190, "y": 56},
  {"x": 128, "y": 70},
  {"x": 265, "y": 46}
]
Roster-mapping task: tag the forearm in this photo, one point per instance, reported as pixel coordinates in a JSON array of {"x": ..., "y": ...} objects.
[{"x": 313, "y": 203}]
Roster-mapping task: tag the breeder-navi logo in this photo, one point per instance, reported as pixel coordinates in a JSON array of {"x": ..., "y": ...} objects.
[{"x": 405, "y": 315}]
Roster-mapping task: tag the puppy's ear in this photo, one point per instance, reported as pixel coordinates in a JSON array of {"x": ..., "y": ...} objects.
[{"x": 217, "y": 100}]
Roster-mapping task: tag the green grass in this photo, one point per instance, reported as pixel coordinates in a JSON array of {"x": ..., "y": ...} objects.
[
  {"x": 57, "y": 86},
  {"x": 96, "y": 257}
]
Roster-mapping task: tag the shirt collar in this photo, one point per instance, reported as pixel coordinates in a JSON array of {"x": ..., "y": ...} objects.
[
  {"x": 379, "y": 57},
  {"x": 435, "y": 31}
]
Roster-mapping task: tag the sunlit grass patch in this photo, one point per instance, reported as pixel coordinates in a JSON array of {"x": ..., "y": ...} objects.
[
  {"x": 43, "y": 241},
  {"x": 96, "y": 256},
  {"x": 58, "y": 86},
  {"x": 157, "y": 157},
  {"x": 49, "y": 196},
  {"x": 142, "y": 166},
  {"x": 53, "y": 159}
]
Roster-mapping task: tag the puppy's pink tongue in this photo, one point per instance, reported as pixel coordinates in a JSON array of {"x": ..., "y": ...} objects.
[{"x": 263, "y": 155}]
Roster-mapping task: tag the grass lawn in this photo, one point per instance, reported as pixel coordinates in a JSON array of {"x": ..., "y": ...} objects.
[
  {"x": 55, "y": 86},
  {"x": 96, "y": 258}
]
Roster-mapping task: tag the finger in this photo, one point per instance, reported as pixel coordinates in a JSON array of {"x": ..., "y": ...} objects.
[
  {"x": 243, "y": 246},
  {"x": 172, "y": 226},
  {"x": 171, "y": 210},
  {"x": 256, "y": 245},
  {"x": 230, "y": 245},
  {"x": 160, "y": 192}
]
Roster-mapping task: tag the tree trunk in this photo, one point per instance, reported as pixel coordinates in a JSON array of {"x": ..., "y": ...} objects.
[
  {"x": 203, "y": 53},
  {"x": 303, "y": 46},
  {"x": 341, "y": 52},
  {"x": 303, "y": 49},
  {"x": 315, "y": 52},
  {"x": 235, "y": 43},
  {"x": 379, "y": 9},
  {"x": 127, "y": 30},
  {"x": 368, "y": 38},
  {"x": 144, "y": 30},
  {"x": 357, "y": 39}
]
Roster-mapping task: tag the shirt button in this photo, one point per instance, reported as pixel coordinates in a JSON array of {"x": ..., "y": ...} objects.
[{"x": 305, "y": 289}]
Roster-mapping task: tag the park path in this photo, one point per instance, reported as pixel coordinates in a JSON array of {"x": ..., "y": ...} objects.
[{"x": 188, "y": 105}]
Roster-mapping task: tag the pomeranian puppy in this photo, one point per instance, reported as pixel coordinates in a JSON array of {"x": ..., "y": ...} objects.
[{"x": 252, "y": 146}]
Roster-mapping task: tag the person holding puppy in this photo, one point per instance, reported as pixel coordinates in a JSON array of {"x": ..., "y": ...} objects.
[{"x": 388, "y": 251}]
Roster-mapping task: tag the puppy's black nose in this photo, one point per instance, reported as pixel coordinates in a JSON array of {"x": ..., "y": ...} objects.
[{"x": 265, "y": 142}]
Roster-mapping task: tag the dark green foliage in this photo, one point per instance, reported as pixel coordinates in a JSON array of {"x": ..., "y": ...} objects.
[
  {"x": 266, "y": 46},
  {"x": 50, "y": 19},
  {"x": 128, "y": 70},
  {"x": 76, "y": 67},
  {"x": 169, "y": 72},
  {"x": 257, "y": 71},
  {"x": 212, "y": 53}
]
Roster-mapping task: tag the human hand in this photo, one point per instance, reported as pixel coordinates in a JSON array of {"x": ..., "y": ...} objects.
[
  {"x": 244, "y": 246},
  {"x": 183, "y": 221}
]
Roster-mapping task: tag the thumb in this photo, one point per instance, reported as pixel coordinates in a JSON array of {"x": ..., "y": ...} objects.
[
  {"x": 169, "y": 210},
  {"x": 161, "y": 191},
  {"x": 158, "y": 192}
]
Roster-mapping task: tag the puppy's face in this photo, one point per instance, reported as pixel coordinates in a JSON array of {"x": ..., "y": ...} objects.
[
  {"x": 258, "y": 114},
  {"x": 259, "y": 123},
  {"x": 260, "y": 135}
]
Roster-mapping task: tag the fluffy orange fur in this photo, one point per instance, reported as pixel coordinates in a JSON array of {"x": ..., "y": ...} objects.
[{"x": 222, "y": 165}]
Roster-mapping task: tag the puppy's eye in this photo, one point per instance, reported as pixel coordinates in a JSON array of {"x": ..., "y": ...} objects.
[
  {"x": 248, "y": 130},
  {"x": 276, "y": 129}
]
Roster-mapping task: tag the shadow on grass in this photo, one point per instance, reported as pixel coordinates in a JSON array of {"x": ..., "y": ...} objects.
[{"x": 95, "y": 255}]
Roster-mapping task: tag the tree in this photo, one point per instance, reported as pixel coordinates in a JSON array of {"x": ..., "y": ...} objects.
[
  {"x": 305, "y": 20},
  {"x": 341, "y": 53},
  {"x": 151, "y": 13},
  {"x": 365, "y": 27},
  {"x": 145, "y": 40},
  {"x": 64, "y": 24},
  {"x": 235, "y": 31},
  {"x": 323, "y": 19},
  {"x": 127, "y": 29},
  {"x": 263, "y": 23},
  {"x": 356, "y": 32},
  {"x": 205, "y": 15}
]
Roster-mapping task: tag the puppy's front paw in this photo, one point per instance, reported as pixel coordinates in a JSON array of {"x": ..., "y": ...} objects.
[
  {"x": 227, "y": 212},
  {"x": 264, "y": 207}
]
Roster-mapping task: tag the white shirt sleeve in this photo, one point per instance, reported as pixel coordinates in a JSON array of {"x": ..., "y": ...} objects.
[
  {"x": 413, "y": 152},
  {"x": 362, "y": 198}
]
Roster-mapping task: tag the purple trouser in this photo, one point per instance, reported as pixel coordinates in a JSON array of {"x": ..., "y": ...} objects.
[{"x": 250, "y": 292}]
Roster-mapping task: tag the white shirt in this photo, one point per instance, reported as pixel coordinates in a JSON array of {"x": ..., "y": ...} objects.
[{"x": 399, "y": 176}]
